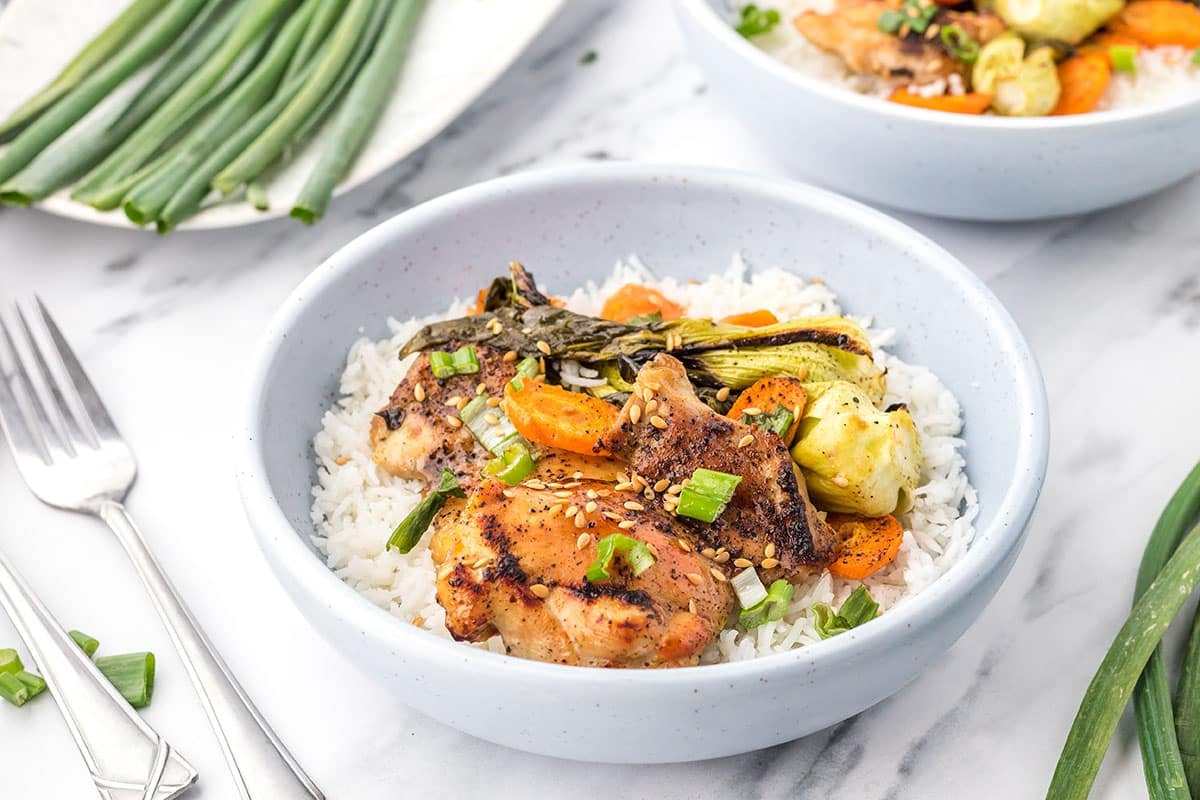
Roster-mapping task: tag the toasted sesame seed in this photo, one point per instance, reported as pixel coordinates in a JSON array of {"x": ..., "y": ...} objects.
[
  {"x": 583, "y": 541},
  {"x": 622, "y": 477},
  {"x": 692, "y": 606},
  {"x": 453, "y": 401},
  {"x": 453, "y": 422},
  {"x": 480, "y": 562},
  {"x": 674, "y": 488},
  {"x": 752, "y": 411},
  {"x": 801, "y": 373},
  {"x": 444, "y": 570},
  {"x": 624, "y": 486},
  {"x": 662, "y": 485},
  {"x": 554, "y": 509},
  {"x": 638, "y": 481},
  {"x": 493, "y": 402},
  {"x": 419, "y": 621},
  {"x": 717, "y": 575},
  {"x": 553, "y": 485},
  {"x": 571, "y": 511},
  {"x": 769, "y": 550},
  {"x": 653, "y": 550},
  {"x": 770, "y": 563},
  {"x": 592, "y": 494},
  {"x": 648, "y": 493},
  {"x": 419, "y": 392},
  {"x": 721, "y": 558},
  {"x": 743, "y": 562},
  {"x": 510, "y": 356},
  {"x": 540, "y": 590},
  {"x": 544, "y": 347},
  {"x": 626, "y": 524},
  {"x": 599, "y": 493},
  {"x": 746, "y": 440},
  {"x": 720, "y": 550},
  {"x": 481, "y": 388},
  {"x": 562, "y": 493},
  {"x": 498, "y": 327},
  {"x": 695, "y": 577},
  {"x": 840, "y": 480},
  {"x": 535, "y": 484},
  {"x": 462, "y": 403},
  {"x": 610, "y": 515},
  {"x": 708, "y": 552},
  {"x": 572, "y": 485},
  {"x": 509, "y": 493},
  {"x": 342, "y": 461},
  {"x": 651, "y": 406},
  {"x": 580, "y": 520},
  {"x": 635, "y": 413},
  {"x": 683, "y": 545},
  {"x": 577, "y": 475},
  {"x": 658, "y": 422},
  {"x": 647, "y": 395},
  {"x": 491, "y": 419},
  {"x": 634, "y": 506},
  {"x": 590, "y": 507},
  {"x": 932, "y": 31},
  {"x": 723, "y": 394}
]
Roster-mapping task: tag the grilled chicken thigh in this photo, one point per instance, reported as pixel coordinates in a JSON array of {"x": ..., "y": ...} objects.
[
  {"x": 510, "y": 561},
  {"x": 671, "y": 433}
]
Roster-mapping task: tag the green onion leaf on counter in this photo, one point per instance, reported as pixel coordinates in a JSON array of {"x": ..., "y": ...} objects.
[
  {"x": 706, "y": 494},
  {"x": 131, "y": 674},
  {"x": 858, "y": 609},
  {"x": 635, "y": 552},
  {"x": 462, "y": 361},
  {"x": 756, "y": 21},
  {"x": 514, "y": 466},
  {"x": 13, "y": 690},
  {"x": 1124, "y": 58},
  {"x": 86, "y": 643},
  {"x": 410, "y": 530},
  {"x": 771, "y": 608}
]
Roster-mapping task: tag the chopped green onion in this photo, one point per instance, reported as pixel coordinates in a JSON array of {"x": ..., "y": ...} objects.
[
  {"x": 496, "y": 437},
  {"x": 915, "y": 14},
  {"x": 1124, "y": 58},
  {"x": 588, "y": 57},
  {"x": 529, "y": 367},
  {"x": 757, "y": 21},
  {"x": 777, "y": 422},
  {"x": 858, "y": 609},
  {"x": 891, "y": 21},
  {"x": 34, "y": 683},
  {"x": 771, "y": 608},
  {"x": 635, "y": 552},
  {"x": 85, "y": 642},
  {"x": 13, "y": 690},
  {"x": 10, "y": 662},
  {"x": 748, "y": 587},
  {"x": 1196, "y": 57},
  {"x": 410, "y": 530},
  {"x": 514, "y": 466},
  {"x": 462, "y": 361},
  {"x": 960, "y": 44},
  {"x": 645, "y": 319},
  {"x": 131, "y": 674},
  {"x": 706, "y": 494}
]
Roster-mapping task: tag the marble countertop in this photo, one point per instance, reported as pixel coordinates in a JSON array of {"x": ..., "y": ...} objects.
[{"x": 1110, "y": 301}]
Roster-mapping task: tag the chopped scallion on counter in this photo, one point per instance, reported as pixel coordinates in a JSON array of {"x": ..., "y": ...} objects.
[
  {"x": 10, "y": 662},
  {"x": 1124, "y": 58},
  {"x": 34, "y": 683},
  {"x": 86, "y": 643},
  {"x": 13, "y": 690},
  {"x": 756, "y": 21},
  {"x": 771, "y": 608},
  {"x": 410, "y": 530},
  {"x": 514, "y": 466},
  {"x": 859, "y": 608},
  {"x": 132, "y": 674},
  {"x": 777, "y": 422},
  {"x": 707, "y": 494},
  {"x": 635, "y": 552},
  {"x": 462, "y": 361}
]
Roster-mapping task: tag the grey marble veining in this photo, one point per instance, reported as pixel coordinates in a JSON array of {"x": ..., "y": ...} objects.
[{"x": 1111, "y": 303}]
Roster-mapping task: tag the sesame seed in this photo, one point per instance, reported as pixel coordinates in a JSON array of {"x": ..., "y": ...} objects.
[
  {"x": 480, "y": 562},
  {"x": 651, "y": 406},
  {"x": 743, "y": 562},
  {"x": 509, "y": 493},
  {"x": 498, "y": 326},
  {"x": 695, "y": 577},
  {"x": 626, "y": 524},
  {"x": 491, "y": 419},
  {"x": 599, "y": 493},
  {"x": 932, "y": 31},
  {"x": 481, "y": 388},
  {"x": 648, "y": 493},
  {"x": 658, "y": 422},
  {"x": 638, "y": 481},
  {"x": 535, "y": 484},
  {"x": 580, "y": 520},
  {"x": 453, "y": 401},
  {"x": 647, "y": 395},
  {"x": 801, "y": 373},
  {"x": 662, "y": 485},
  {"x": 746, "y": 440},
  {"x": 419, "y": 393},
  {"x": 769, "y": 550},
  {"x": 453, "y": 422},
  {"x": 444, "y": 571},
  {"x": 683, "y": 545},
  {"x": 692, "y": 606},
  {"x": 610, "y": 515},
  {"x": 720, "y": 550},
  {"x": 653, "y": 550},
  {"x": 554, "y": 509},
  {"x": 770, "y": 563},
  {"x": 635, "y": 413},
  {"x": 419, "y": 621},
  {"x": 717, "y": 575},
  {"x": 342, "y": 461},
  {"x": 674, "y": 488},
  {"x": 723, "y": 394},
  {"x": 510, "y": 356},
  {"x": 840, "y": 480},
  {"x": 544, "y": 347},
  {"x": 583, "y": 541},
  {"x": 562, "y": 493},
  {"x": 590, "y": 507},
  {"x": 592, "y": 494},
  {"x": 540, "y": 590},
  {"x": 572, "y": 485},
  {"x": 571, "y": 511},
  {"x": 752, "y": 411},
  {"x": 721, "y": 558},
  {"x": 633, "y": 506},
  {"x": 708, "y": 552},
  {"x": 577, "y": 475},
  {"x": 622, "y": 477},
  {"x": 624, "y": 486},
  {"x": 493, "y": 402},
  {"x": 462, "y": 403}
]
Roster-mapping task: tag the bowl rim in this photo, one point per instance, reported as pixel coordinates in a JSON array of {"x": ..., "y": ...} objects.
[
  {"x": 707, "y": 18},
  {"x": 289, "y": 555}
]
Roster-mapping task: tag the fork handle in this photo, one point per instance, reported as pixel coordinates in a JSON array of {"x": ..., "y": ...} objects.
[
  {"x": 262, "y": 767},
  {"x": 126, "y": 758}
]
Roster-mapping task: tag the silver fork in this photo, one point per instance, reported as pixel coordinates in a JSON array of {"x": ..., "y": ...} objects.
[{"x": 72, "y": 457}]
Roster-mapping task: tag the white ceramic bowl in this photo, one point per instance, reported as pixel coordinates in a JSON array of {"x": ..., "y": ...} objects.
[
  {"x": 948, "y": 165},
  {"x": 569, "y": 225}
]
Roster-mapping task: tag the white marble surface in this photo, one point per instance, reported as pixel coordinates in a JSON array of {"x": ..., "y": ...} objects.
[{"x": 1111, "y": 303}]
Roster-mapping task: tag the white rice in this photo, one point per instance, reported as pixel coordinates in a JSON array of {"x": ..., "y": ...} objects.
[
  {"x": 1162, "y": 72},
  {"x": 356, "y": 504}
]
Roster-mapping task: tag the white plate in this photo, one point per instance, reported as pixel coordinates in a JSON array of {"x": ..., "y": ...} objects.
[{"x": 460, "y": 48}]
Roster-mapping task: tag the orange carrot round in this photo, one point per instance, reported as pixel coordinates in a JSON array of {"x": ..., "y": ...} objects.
[
  {"x": 971, "y": 103},
  {"x": 634, "y": 300},
  {"x": 554, "y": 417},
  {"x": 1084, "y": 79},
  {"x": 752, "y": 319},
  {"x": 768, "y": 394},
  {"x": 1159, "y": 22},
  {"x": 866, "y": 544}
]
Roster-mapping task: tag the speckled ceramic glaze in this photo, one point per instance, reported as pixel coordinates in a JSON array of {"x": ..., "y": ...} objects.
[
  {"x": 949, "y": 165},
  {"x": 568, "y": 226}
]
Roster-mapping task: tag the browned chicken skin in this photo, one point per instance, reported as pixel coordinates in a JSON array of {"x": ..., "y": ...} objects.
[
  {"x": 771, "y": 505},
  {"x": 511, "y": 562},
  {"x": 852, "y": 32}
]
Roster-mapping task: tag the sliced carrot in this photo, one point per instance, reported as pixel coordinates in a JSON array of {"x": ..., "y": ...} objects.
[
  {"x": 752, "y": 319},
  {"x": 553, "y": 417},
  {"x": 972, "y": 103},
  {"x": 1103, "y": 42},
  {"x": 480, "y": 299},
  {"x": 768, "y": 394},
  {"x": 1084, "y": 79},
  {"x": 1159, "y": 22},
  {"x": 865, "y": 544},
  {"x": 634, "y": 300}
]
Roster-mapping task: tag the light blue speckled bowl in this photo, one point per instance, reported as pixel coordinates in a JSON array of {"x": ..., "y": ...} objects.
[{"x": 569, "y": 225}]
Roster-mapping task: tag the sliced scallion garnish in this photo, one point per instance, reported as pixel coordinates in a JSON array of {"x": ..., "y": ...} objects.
[
  {"x": 859, "y": 608},
  {"x": 635, "y": 552},
  {"x": 777, "y": 422},
  {"x": 410, "y": 530},
  {"x": 891, "y": 21},
  {"x": 131, "y": 674},
  {"x": 748, "y": 587},
  {"x": 462, "y": 361},
  {"x": 1124, "y": 58},
  {"x": 528, "y": 368},
  {"x": 771, "y": 608},
  {"x": 490, "y": 425},
  {"x": 34, "y": 683},
  {"x": 756, "y": 21},
  {"x": 514, "y": 466},
  {"x": 960, "y": 44},
  {"x": 85, "y": 642},
  {"x": 13, "y": 690},
  {"x": 707, "y": 494}
]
